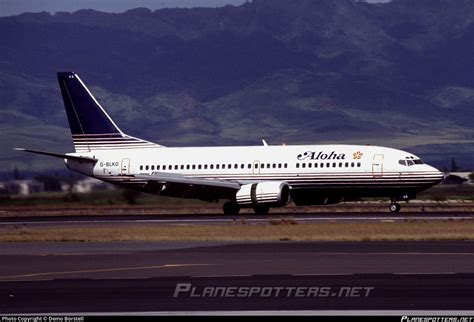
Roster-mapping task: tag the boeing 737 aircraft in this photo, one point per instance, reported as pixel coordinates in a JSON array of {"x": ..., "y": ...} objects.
[{"x": 259, "y": 177}]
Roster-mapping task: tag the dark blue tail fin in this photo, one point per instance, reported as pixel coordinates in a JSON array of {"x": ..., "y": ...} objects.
[
  {"x": 91, "y": 127},
  {"x": 84, "y": 113}
]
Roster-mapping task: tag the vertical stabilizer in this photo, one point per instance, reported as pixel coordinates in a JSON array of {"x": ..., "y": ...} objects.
[{"x": 91, "y": 126}]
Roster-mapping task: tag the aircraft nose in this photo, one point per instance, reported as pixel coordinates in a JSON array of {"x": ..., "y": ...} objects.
[{"x": 437, "y": 175}]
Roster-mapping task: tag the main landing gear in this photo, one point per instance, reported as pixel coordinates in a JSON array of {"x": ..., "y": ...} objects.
[
  {"x": 394, "y": 206},
  {"x": 231, "y": 208},
  {"x": 261, "y": 210}
]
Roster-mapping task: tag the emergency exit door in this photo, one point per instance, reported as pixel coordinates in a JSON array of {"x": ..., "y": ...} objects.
[{"x": 377, "y": 166}]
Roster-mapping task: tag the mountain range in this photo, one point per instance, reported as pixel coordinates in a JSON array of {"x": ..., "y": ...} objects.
[{"x": 395, "y": 74}]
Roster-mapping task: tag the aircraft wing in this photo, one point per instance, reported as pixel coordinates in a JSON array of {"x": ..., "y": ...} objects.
[{"x": 177, "y": 185}]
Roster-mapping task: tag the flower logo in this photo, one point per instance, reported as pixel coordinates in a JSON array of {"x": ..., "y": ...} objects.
[{"x": 357, "y": 155}]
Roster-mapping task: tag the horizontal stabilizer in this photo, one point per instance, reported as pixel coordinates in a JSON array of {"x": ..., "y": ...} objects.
[{"x": 58, "y": 155}]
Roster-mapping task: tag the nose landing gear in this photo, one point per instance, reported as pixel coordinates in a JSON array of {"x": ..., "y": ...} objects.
[{"x": 394, "y": 207}]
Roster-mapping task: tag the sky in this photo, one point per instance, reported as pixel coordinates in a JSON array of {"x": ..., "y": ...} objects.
[{"x": 14, "y": 7}]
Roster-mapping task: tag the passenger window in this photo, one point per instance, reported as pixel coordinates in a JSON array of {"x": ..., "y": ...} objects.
[
  {"x": 229, "y": 166},
  {"x": 340, "y": 164},
  {"x": 352, "y": 164},
  {"x": 303, "y": 165},
  {"x": 347, "y": 164},
  {"x": 310, "y": 165},
  {"x": 286, "y": 165},
  {"x": 152, "y": 167},
  {"x": 268, "y": 165},
  {"x": 217, "y": 166},
  {"x": 187, "y": 167},
  {"x": 328, "y": 165},
  {"x": 236, "y": 166},
  {"x": 170, "y": 167},
  {"x": 274, "y": 165},
  {"x": 141, "y": 167},
  {"x": 334, "y": 164},
  {"x": 194, "y": 167},
  {"x": 249, "y": 166},
  {"x": 297, "y": 165},
  {"x": 146, "y": 167},
  {"x": 205, "y": 166},
  {"x": 358, "y": 164},
  {"x": 199, "y": 167},
  {"x": 182, "y": 167},
  {"x": 176, "y": 167},
  {"x": 322, "y": 165},
  {"x": 242, "y": 166},
  {"x": 212, "y": 166},
  {"x": 279, "y": 165}
]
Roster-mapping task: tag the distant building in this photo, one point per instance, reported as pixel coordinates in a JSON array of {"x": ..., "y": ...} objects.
[
  {"x": 457, "y": 178},
  {"x": 90, "y": 184},
  {"x": 22, "y": 187}
]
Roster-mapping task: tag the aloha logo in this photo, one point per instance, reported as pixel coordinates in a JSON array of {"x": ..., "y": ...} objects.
[
  {"x": 357, "y": 155},
  {"x": 311, "y": 155}
]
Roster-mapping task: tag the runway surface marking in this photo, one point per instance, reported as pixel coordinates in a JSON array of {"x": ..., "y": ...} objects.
[
  {"x": 102, "y": 270},
  {"x": 263, "y": 253},
  {"x": 217, "y": 220}
]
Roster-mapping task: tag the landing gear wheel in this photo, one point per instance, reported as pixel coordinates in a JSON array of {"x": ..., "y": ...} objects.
[
  {"x": 261, "y": 210},
  {"x": 395, "y": 207},
  {"x": 231, "y": 208}
]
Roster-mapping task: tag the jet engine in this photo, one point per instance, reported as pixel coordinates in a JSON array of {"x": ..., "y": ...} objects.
[{"x": 269, "y": 193}]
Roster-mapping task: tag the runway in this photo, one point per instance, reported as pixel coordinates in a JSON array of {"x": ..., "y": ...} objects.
[
  {"x": 356, "y": 292},
  {"x": 144, "y": 277},
  {"x": 213, "y": 219}
]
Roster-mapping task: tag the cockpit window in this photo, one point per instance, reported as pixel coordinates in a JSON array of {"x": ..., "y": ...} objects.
[{"x": 410, "y": 161}]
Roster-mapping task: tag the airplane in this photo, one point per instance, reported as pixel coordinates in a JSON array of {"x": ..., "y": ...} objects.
[{"x": 257, "y": 177}]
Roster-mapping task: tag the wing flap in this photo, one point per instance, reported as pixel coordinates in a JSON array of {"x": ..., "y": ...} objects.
[
  {"x": 179, "y": 186},
  {"x": 180, "y": 179}
]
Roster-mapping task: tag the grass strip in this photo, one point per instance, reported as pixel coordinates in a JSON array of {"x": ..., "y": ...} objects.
[{"x": 283, "y": 230}]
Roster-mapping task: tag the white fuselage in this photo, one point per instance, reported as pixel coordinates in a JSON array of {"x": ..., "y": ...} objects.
[
  {"x": 260, "y": 177},
  {"x": 339, "y": 170}
]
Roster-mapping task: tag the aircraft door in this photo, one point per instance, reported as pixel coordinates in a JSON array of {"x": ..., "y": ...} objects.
[
  {"x": 125, "y": 167},
  {"x": 377, "y": 166}
]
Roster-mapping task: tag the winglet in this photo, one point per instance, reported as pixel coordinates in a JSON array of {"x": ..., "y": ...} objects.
[{"x": 264, "y": 142}]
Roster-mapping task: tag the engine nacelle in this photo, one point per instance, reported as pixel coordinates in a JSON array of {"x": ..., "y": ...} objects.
[{"x": 270, "y": 193}]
